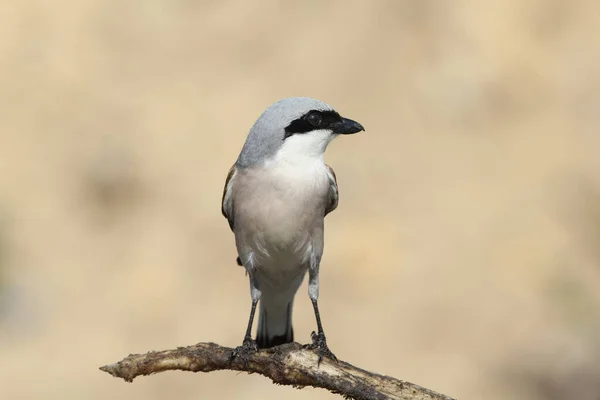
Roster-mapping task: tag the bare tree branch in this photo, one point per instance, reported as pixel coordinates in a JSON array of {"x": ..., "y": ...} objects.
[{"x": 289, "y": 364}]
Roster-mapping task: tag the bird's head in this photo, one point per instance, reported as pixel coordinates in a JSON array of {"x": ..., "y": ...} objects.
[{"x": 294, "y": 128}]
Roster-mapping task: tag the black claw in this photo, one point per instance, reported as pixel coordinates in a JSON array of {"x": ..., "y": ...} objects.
[
  {"x": 319, "y": 343},
  {"x": 244, "y": 351}
]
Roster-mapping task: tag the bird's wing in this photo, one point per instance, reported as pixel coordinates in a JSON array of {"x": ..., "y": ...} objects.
[
  {"x": 227, "y": 200},
  {"x": 333, "y": 195}
]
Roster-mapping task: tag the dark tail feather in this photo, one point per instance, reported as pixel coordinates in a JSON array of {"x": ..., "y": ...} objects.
[{"x": 274, "y": 326}]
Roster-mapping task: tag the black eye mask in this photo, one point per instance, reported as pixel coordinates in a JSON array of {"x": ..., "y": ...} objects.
[{"x": 311, "y": 121}]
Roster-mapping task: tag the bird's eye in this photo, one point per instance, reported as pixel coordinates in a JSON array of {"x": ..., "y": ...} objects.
[{"x": 314, "y": 119}]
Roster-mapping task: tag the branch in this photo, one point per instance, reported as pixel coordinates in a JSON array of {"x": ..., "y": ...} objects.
[{"x": 289, "y": 364}]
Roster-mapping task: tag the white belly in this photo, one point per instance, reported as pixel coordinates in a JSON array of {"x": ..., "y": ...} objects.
[{"x": 281, "y": 217}]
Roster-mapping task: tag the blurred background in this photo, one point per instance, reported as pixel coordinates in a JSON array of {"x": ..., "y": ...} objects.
[{"x": 464, "y": 255}]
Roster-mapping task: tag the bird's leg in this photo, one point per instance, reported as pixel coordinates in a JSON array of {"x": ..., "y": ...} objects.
[
  {"x": 319, "y": 342},
  {"x": 248, "y": 336},
  {"x": 248, "y": 345}
]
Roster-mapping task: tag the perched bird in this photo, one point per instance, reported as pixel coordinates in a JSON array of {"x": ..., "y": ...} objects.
[{"x": 275, "y": 199}]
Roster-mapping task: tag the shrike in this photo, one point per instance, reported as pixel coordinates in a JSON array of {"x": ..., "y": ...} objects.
[{"x": 275, "y": 199}]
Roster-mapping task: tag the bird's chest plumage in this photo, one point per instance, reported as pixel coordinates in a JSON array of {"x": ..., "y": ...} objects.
[{"x": 285, "y": 210}]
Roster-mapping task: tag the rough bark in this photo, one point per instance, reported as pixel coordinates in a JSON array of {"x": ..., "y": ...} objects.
[{"x": 289, "y": 364}]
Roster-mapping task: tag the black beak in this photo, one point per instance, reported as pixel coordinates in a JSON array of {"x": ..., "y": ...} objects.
[{"x": 346, "y": 127}]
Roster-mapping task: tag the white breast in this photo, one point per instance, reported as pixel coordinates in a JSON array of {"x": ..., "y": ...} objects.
[
  {"x": 283, "y": 207},
  {"x": 284, "y": 204}
]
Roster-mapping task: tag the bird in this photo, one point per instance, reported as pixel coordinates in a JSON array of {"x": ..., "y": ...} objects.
[{"x": 275, "y": 199}]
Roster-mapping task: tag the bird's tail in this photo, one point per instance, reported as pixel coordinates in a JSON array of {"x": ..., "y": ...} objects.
[{"x": 274, "y": 323}]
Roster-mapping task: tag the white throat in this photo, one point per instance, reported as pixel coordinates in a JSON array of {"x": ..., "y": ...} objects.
[{"x": 303, "y": 148}]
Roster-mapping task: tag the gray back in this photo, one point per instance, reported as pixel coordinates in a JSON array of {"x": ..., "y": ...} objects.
[{"x": 266, "y": 136}]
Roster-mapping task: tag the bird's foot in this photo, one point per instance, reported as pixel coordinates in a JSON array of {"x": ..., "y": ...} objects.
[
  {"x": 244, "y": 351},
  {"x": 319, "y": 344}
]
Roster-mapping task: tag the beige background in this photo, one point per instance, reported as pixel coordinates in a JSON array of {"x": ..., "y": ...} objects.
[{"x": 464, "y": 255}]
